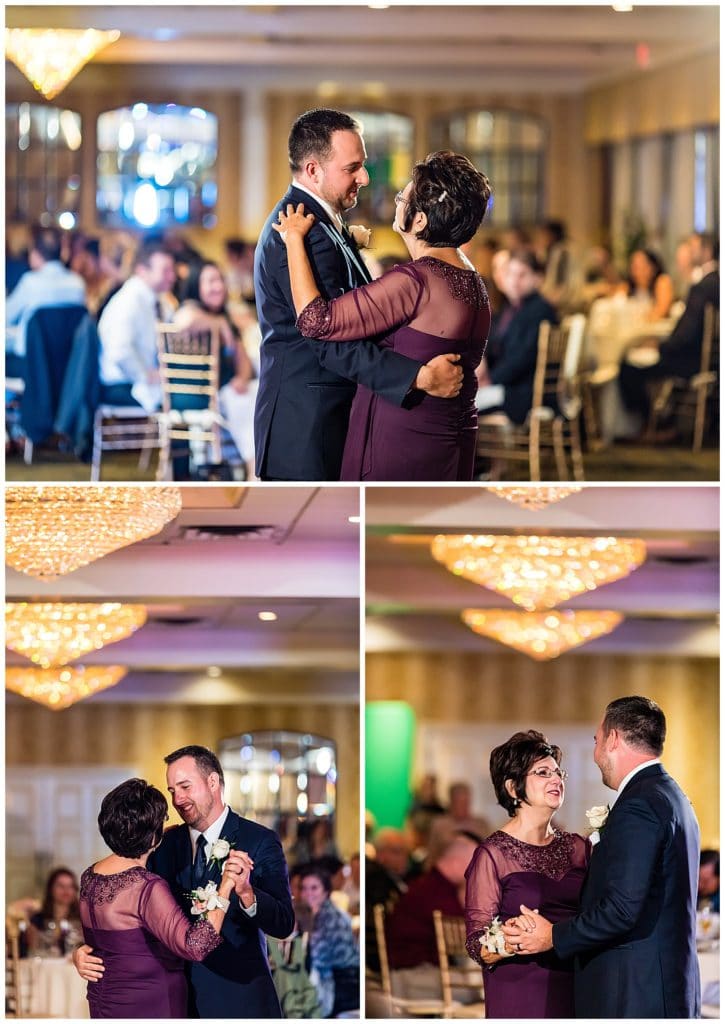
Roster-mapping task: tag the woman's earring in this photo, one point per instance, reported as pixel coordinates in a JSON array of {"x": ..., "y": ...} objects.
[{"x": 517, "y": 802}]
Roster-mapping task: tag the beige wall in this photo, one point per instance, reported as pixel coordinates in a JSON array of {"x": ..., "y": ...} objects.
[
  {"x": 684, "y": 95},
  {"x": 140, "y": 735},
  {"x": 467, "y": 687}
]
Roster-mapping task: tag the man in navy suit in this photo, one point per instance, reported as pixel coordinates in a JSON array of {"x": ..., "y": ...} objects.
[
  {"x": 234, "y": 981},
  {"x": 633, "y": 939},
  {"x": 306, "y": 387}
]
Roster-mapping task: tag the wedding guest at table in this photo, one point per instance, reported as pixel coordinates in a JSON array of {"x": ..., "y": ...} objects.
[
  {"x": 333, "y": 951},
  {"x": 425, "y": 796},
  {"x": 649, "y": 284},
  {"x": 708, "y": 886},
  {"x": 410, "y": 933},
  {"x": 17, "y": 252},
  {"x": 87, "y": 262},
  {"x": 47, "y": 283},
  {"x": 56, "y": 928},
  {"x": 458, "y": 818},
  {"x": 704, "y": 250},
  {"x": 351, "y": 886},
  {"x": 127, "y": 331},
  {"x": 601, "y": 276},
  {"x": 385, "y": 882},
  {"x": 239, "y": 269},
  {"x": 205, "y": 305},
  {"x": 314, "y": 840},
  {"x": 561, "y": 272}
]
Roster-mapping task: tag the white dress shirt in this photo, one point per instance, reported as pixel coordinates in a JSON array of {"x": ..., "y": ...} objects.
[
  {"x": 627, "y": 778},
  {"x": 50, "y": 285},
  {"x": 211, "y": 835},
  {"x": 334, "y": 216},
  {"x": 127, "y": 330}
]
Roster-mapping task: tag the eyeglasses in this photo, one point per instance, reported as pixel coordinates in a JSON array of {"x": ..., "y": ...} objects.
[
  {"x": 400, "y": 198},
  {"x": 549, "y": 773}
]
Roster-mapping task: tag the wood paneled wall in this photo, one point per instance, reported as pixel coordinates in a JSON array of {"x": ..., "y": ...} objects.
[
  {"x": 140, "y": 736},
  {"x": 451, "y": 687}
]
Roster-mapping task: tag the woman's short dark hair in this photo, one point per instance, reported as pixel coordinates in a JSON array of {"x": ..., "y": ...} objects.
[
  {"x": 513, "y": 760},
  {"x": 46, "y": 909},
  {"x": 314, "y": 872},
  {"x": 641, "y": 722},
  {"x": 132, "y": 818},
  {"x": 311, "y": 134},
  {"x": 452, "y": 194}
]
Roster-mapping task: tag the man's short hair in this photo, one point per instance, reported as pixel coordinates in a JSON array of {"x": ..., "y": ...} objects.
[
  {"x": 204, "y": 759},
  {"x": 47, "y": 242},
  {"x": 311, "y": 135},
  {"x": 147, "y": 249},
  {"x": 641, "y": 722}
]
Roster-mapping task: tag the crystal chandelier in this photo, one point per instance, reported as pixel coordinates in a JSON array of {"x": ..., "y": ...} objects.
[
  {"x": 50, "y": 531},
  {"x": 533, "y": 498},
  {"x": 58, "y": 688},
  {"x": 539, "y": 572},
  {"x": 50, "y": 58},
  {"x": 541, "y": 635},
  {"x": 54, "y": 634}
]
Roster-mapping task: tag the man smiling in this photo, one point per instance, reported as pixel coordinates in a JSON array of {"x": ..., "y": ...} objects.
[{"x": 306, "y": 387}]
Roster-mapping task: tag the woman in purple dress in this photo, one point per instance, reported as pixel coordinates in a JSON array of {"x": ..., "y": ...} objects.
[
  {"x": 131, "y": 919},
  {"x": 528, "y": 861},
  {"x": 434, "y": 305}
]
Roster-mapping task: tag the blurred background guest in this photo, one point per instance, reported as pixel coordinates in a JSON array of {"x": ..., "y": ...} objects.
[
  {"x": 334, "y": 956},
  {"x": 458, "y": 818},
  {"x": 708, "y": 886},
  {"x": 56, "y": 929},
  {"x": 239, "y": 269}
]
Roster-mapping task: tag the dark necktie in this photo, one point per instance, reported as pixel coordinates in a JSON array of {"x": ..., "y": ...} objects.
[{"x": 199, "y": 868}]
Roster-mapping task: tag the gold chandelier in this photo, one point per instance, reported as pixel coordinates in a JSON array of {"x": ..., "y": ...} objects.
[
  {"x": 58, "y": 688},
  {"x": 50, "y": 58},
  {"x": 541, "y": 635},
  {"x": 539, "y": 572},
  {"x": 50, "y": 531},
  {"x": 533, "y": 498},
  {"x": 54, "y": 634}
]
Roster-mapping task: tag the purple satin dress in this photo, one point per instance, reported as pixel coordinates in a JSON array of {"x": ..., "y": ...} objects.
[
  {"x": 422, "y": 309},
  {"x": 134, "y": 924},
  {"x": 504, "y": 873}
]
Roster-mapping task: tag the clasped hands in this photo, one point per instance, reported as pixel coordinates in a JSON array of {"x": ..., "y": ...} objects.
[
  {"x": 238, "y": 870},
  {"x": 528, "y": 933}
]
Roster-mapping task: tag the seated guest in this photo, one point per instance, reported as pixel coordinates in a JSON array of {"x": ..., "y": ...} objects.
[
  {"x": 205, "y": 305},
  {"x": 561, "y": 273},
  {"x": 239, "y": 269},
  {"x": 708, "y": 886},
  {"x": 56, "y": 928},
  {"x": 88, "y": 263},
  {"x": 385, "y": 882},
  {"x": 333, "y": 951},
  {"x": 650, "y": 284},
  {"x": 351, "y": 885},
  {"x": 601, "y": 277},
  {"x": 680, "y": 354},
  {"x": 458, "y": 818},
  {"x": 704, "y": 254},
  {"x": 410, "y": 933},
  {"x": 509, "y": 384},
  {"x": 47, "y": 283},
  {"x": 127, "y": 330}
]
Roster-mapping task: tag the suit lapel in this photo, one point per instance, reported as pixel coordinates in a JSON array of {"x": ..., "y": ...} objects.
[
  {"x": 230, "y": 832},
  {"x": 357, "y": 271}
]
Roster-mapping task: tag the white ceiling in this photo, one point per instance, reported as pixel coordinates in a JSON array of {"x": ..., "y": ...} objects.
[
  {"x": 542, "y": 47},
  {"x": 204, "y": 592},
  {"x": 670, "y": 603}
]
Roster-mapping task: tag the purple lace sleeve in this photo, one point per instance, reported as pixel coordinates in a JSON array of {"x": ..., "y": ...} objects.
[
  {"x": 372, "y": 309},
  {"x": 167, "y": 921},
  {"x": 483, "y": 899}
]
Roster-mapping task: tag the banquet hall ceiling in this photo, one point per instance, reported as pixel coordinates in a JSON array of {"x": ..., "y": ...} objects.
[
  {"x": 231, "y": 553},
  {"x": 544, "y": 46},
  {"x": 670, "y": 603}
]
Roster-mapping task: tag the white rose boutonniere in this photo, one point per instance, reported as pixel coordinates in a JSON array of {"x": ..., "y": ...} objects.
[
  {"x": 493, "y": 939},
  {"x": 597, "y": 817},
  {"x": 203, "y": 900},
  {"x": 220, "y": 851},
  {"x": 360, "y": 235}
]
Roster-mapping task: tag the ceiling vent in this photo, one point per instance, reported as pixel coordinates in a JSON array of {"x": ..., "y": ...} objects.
[{"x": 233, "y": 532}]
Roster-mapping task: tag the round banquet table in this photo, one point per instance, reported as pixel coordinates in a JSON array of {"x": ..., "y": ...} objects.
[{"x": 51, "y": 987}]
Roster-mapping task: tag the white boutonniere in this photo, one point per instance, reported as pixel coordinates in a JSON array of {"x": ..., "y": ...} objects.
[
  {"x": 597, "y": 817},
  {"x": 220, "y": 851},
  {"x": 360, "y": 235},
  {"x": 203, "y": 900},
  {"x": 493, "y": 939}
]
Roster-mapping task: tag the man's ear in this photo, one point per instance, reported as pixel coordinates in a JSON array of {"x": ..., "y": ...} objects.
[{"x": 311, "y": 169}]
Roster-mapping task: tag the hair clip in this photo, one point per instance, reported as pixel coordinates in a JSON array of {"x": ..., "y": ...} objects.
[{"x": 443, "y": 195}]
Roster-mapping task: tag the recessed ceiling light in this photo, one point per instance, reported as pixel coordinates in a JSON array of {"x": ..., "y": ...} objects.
[
  {"x": 214, "y": 671},
  {"x": 622, "y": 8},
  {"x": 267, "y": 616},
  {"x": 353, "y": 519}
]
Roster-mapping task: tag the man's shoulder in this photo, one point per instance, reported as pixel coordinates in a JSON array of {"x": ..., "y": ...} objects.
[{"x": 249, "y": 828}]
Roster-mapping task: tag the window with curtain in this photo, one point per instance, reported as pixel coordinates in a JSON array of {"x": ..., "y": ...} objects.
[
  {"x": 509, "y": 147},
  {"x": 42, "y": 164},
  {"x": 157, "y": 166},
  {"x": 389, "y": 145}
]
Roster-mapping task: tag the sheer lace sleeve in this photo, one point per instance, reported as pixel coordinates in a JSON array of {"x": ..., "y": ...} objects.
[
  {"x": 163, "y": 917},
  {"x": 372, "y": 309},
  {"x": 483, "y": 898}
]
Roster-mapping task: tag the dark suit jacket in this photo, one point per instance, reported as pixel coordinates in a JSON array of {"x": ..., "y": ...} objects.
[
  {"x": 81, "y": 391},
  {"x": 234, "y": 980},
  {"x": 680, "y": 353},
  {"x": 634, "y": 937},
  {"x": 49, "y": 341},
  {"x": 306, "y": 387},
  {"x": 516, "y": 365}
]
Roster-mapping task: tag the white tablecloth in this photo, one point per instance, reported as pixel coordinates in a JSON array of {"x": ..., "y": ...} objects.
[
  {"x": 709, "y": 961},
  {"x": 51, "y": 987}
]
